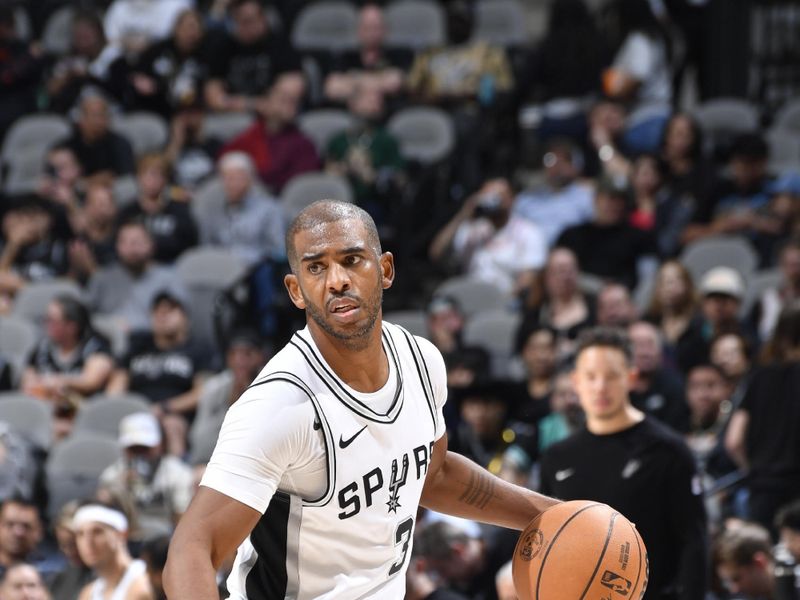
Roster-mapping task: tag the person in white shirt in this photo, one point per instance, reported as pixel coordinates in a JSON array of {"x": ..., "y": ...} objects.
[
  {"x": 101, "y": 536},
  {"x": 491, "y": 242}
]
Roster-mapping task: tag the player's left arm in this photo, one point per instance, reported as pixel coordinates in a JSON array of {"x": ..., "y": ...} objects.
[{"x": 457, "y": 486}]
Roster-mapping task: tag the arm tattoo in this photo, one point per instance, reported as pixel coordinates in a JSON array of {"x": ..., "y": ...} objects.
[{"x": 479, "y": 490}]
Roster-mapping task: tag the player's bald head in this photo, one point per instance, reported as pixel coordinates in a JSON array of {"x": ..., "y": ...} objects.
[{"x": 329, "y": 211}]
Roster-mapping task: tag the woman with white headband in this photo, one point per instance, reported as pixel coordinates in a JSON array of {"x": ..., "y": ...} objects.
[{"x": 101, "y": 536}]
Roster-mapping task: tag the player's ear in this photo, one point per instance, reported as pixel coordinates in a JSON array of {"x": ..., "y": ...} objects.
[
  {"x": 293, "y": 287},
  {"x": 387, "y": 269},
  {"x": 633, "y": 375}
]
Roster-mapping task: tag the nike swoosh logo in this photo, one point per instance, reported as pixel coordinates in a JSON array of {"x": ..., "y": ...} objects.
[
  {"x": 565, "y": 474},
  {"x": 344, "y": 443},
  {"x": 630, "y": 468}
]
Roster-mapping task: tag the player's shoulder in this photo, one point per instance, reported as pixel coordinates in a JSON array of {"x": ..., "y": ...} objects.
[
  {"x": 655, "y": 433},
  {"x": 566, "y": 451},
  {"x": 282, "y": 380},
  {"x": 401, "y": 335}
]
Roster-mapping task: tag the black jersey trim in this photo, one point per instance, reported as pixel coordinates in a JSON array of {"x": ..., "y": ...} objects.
[
  {"x": 348, "y": 398},
  {"x": 327, "y": 437},
  {"x": 424, "y": 379},
  {"x": 267, "y": 578},
  {"x": 343, "y": 396}
]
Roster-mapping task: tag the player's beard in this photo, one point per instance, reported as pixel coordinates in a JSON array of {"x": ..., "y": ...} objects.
[{"x": 352, "y": 339}]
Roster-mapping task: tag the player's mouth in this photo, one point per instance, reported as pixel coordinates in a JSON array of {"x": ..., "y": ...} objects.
[{"x": 343, "y": 309}]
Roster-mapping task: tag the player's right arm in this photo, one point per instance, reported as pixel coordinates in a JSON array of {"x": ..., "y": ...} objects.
[{"x": 211, "y": 529}]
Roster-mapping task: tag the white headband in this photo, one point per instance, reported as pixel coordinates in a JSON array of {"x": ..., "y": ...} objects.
[{"x": 94, "y": 513}]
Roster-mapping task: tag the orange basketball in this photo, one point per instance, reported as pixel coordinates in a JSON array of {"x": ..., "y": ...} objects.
[{"x": 580, "y": 550}]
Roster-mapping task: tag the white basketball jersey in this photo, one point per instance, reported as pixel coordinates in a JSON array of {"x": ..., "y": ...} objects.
[{"x": 355, "y": 540}]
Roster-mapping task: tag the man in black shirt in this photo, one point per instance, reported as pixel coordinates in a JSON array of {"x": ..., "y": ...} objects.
[
  {"x": 658, "y": 389},
  {"x": 608, "y": 246},
  {"x": 246, "y": 63},
  {"x": 99, "y": 150},
  {"x": 633, "y": 463}
]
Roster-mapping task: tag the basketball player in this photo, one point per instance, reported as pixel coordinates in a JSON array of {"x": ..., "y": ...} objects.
[
  {"x": 321, "y": 464},
  {"x": 635, "y": 464},
  {"x": 101, "y": 537}
]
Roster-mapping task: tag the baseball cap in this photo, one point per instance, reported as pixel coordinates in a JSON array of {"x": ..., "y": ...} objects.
[
  {"x": 723, "y": 280},
  {"x": 170, "y": 295},
  {"x": 139, "y": 429},
  {"x": 440, "y": 304}
]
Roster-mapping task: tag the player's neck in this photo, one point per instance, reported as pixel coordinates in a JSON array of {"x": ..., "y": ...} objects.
[
  {"x": 625, "y": 419},
  {"x": 364, "y": 366}
]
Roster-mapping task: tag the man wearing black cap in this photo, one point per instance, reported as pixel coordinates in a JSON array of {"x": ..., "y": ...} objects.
[
  {"x": 608, "y": 246},
  {"x": 163, "y": 365}
]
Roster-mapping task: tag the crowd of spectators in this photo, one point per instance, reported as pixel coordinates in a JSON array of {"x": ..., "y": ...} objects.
[{"x": 578, "y": 184}]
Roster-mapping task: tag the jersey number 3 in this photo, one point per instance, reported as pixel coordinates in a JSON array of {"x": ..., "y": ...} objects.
[{"x": 402, "y": 536}]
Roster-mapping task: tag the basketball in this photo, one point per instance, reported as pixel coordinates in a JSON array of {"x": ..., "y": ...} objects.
[{"x": 577, "y": 550}]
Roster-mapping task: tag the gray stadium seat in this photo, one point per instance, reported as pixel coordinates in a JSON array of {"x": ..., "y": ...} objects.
[
  {"x": 728, "y": 251},
  {"x": 784, "y": 149},
  {"x": 472, "y": 295},
  {"x": 209, "y": 266},
  {"x": 328, "y": 26},
  {"x": 495, "y": 331},
  {"x": 413, "y": 321},
  {"x": 74, "y": 466},
  {"x": 111, "y": 328},
  {"x": 34, "y": 133},
  {"x": 24, "y": 169},
  {"x": 788, "y": 117},
  {"x": 306, "y": 188},
  {"x": 723, "y": 118},
  {"x": 57, "y": 35},
  {"x": 147, "y": 132},
  {"x": 125, "y": 189},
  {"x": 101, "y": 414},
  {"x": 205, "y": 271},
  {"x": 500, "y": 22},
  {"x": 17, "y": 338},
  {"x": 425, "y": 134},
  {"x": 29, "y": 416},
  {"x": 414, "y": 24},
  {"x": 322, "y": 124},
  {"x": 759, "y": 282},
  {"x": 32, "y": 300},
  {"x": 226, "y": 126}
]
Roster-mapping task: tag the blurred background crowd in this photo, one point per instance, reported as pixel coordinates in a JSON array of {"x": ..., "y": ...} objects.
[{"x": 536, "y": 167}]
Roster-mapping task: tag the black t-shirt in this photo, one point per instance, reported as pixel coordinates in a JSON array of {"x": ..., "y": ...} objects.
[
  {"x": 773, "y": 431},
  {"x": 179, "y": 77},
  {"x": 45, "y": 357},
  {"x": 648, "y": 474},
  {"x": 608, "y": 251},
  {"x": 526, "y": 408},
  {"x": 112, "y": 153},
  {"x": 351, "y": 60},
  {"x": 43, "y": 260},
  {"x": 664, "y": 400},
  {"x": 173, "y": 228},
  {"x": 160, "y": 374},
  {"x": 250, "y": 69}
]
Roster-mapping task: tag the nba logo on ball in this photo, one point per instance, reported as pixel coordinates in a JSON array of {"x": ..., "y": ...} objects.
[
  {"x": 580, "y": 550},
  {"x": 532, "y": 545}
]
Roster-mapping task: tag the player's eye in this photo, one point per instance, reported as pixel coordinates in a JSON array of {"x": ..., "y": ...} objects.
[
  {"x": 352, "y": 259},
  {"x": 315, "y": 268}
]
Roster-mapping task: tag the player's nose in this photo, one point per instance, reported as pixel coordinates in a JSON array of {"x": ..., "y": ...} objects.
[{"x": 338, "y": 278}]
